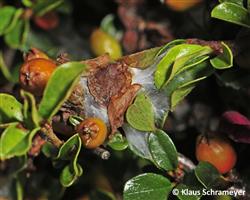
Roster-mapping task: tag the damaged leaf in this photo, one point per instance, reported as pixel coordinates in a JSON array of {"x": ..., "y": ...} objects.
[
  {"x": 108, "y": 81},
  {"x": 118, "y": 106}
]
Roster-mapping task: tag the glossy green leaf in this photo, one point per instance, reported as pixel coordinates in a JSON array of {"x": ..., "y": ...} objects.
[
  {"x": 239, "y": 2},
  {"x": 224, "y": 60},
  {"x": 137, "y": 141},
  {"x": 75, "y": 120},
  {"x": 167, "y": 68},
  {"x": 207, "y": 174},
  {"x": 10, "y": 109},
  {"x": 140, "y": 115},
  {"x": 169, "y": 45},
  {"x": 15, "y": 141},
  {"x": 70, "y": 151},
  {"x": 101, "y": 195},
  {"x": 179, "y": 94},
  {"x": 67, "y": 176},
  {"x": 147, "y": 186},
  {"x": 177, "y": 88},
  {"x": 69, "y": 147},
  {"x": 41, "y": 7},
  {"x": 118, "y": 142},
  {"x": 31, "y": 116},
  {"x": 189, "y": 60},
  {"x": 163, "y": 150},
  {"x": 233, "y": 13},
  {"x": 59, "y": 87},
  {"x": 6, "y": 16}
]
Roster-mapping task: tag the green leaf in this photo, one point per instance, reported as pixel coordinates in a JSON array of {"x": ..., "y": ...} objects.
[
  {"x": 59, "y": 88},
  {"x": 169, "y": 45},
  {"x": 142, "y": 59},
  {"x": 67, "y": 176},
  {"x": 140, "y": 115},
  {"x": 179, "y": 94},
  {"x": 163, "y": 150},
  {"x": 4, "y": 69},
  {"x": 118, "y": 142},
  {"x": 239, "y": 2},
  {"x": 137, "y": 141},
  {"x": 167, "y": 68},
  {"x": 27, "y": 3},
  {"x": 224, "y": 60},
  {"x": 14, "y": 20},
  {"x": 6, "y": 16},
  {"x": 41, "y": 7},
  {"x": 10, "y": 109},
  {"x": 75, "y": 120},
  {"x": 147, "y": 186},
  {"x": 101, "y": 195},
  {"x": 31, "y": 115},
  {"x": 70, "y": 151},
  {"x": 15, "y": 141},
  {"x": 185, "y": 81},
  {"x": 16, "y": 38},
  {"x": 233, "y": 13},
  {"x": 107, "y": 25},
  {"x": 69, "y": 147},
  {"x": 207, "y": 174},
  {"x": 190, "y": 60}
]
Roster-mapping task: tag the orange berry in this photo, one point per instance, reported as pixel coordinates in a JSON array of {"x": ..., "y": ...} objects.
[
  {"x": 93, "y": 132},
  {"x": 181, "y": 5},
  {"x": 34, "y": 53},
  {"x": 217, "y": 151},
  {"x": 35, "y": 73}
]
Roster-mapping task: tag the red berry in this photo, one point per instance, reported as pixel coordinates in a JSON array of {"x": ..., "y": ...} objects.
[{"x": 48, "y": 21}]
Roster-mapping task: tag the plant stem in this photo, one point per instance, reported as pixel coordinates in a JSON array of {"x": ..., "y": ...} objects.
[
  {"x": 102, "y": 153},
  {"x": 51, "y": 136}
]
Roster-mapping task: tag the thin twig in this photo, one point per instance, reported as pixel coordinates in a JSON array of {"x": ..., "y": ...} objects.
[
  {"x": 51, "y": 136},
  {"x": 102, "y": 153}
]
